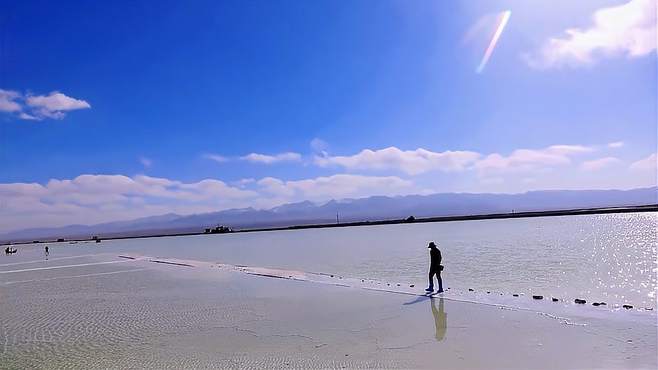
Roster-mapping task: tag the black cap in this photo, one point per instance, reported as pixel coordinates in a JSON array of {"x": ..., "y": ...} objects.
[{"x": 431, "y": 245}]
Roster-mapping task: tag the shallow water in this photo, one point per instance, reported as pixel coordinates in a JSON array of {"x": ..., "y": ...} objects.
[
  {"x": 611, "y": 258},
  {"x": 85, "y": 312},
  {"x": 87, "y": 307}
]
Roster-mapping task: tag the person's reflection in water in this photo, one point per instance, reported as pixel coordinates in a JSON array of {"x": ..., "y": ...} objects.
[{"x": 440, "y": 319}]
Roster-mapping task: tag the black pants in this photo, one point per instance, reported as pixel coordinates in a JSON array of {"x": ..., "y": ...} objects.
[{"x": 435, "y": 271}]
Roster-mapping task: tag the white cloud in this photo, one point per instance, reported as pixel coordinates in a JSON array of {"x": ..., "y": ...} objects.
[
  {"x": 215, "y": 157},
  {"x": 616, "y": 144},
  {"x": 89, "y": 199},
  {"x": 337, "y": 187},
  {"x": 39, "y": 107},
  {"x": 100, "y": 198},
  {"x": 56, "y": 101},
  {"x": 598, "y": 164},
  {"x": 8, "y": 101},
  {"x": 419, "y": 161},
  {"x": 269, "y": 159},
  {"x": 628, "y": 29},
  {"x": 522, "y": 160},
  {"x": 55, "y": 105},
  {"x": 412, "y": 162},
  {"x": 649, "y": 163}
]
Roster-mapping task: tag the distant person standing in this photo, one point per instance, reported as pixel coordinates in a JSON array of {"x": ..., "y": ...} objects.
[
  {"x": 435, "y": 268},
  {"x": 47, "y": 252}
]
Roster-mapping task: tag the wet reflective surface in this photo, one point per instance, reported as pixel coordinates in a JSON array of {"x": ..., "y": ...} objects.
[
  {"x": 104, "y": 311},
  {"x": 86, "y": 307},
  {"x": 611, "y": 258}
]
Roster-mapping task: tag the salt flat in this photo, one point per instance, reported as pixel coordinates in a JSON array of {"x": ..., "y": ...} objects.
[{"x": 103, "y": 311}]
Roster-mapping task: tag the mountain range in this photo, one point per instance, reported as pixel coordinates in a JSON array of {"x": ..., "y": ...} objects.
[{"x": 351, "y": 210}]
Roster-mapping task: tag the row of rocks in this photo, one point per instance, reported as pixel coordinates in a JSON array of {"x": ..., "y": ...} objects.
[
  {"x": 577, "y": 300},
  {"x": 536, "y": 297}
]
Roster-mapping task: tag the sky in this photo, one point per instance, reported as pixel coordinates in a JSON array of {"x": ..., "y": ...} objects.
[{"x": 118, "y": 110}]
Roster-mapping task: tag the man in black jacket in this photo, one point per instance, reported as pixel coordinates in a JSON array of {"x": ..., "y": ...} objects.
[{"x": 435, "y": 268}]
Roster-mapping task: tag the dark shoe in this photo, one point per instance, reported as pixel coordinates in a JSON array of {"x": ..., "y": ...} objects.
[
  {"x": 440, "y": 291},
  {"x": 429, "y": 289}
]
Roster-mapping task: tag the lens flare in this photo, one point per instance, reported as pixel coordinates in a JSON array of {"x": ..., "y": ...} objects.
[{"x": 502, "y": 22}]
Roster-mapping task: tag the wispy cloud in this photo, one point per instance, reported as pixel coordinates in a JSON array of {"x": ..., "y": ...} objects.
[
  {"x": 269, "y": 159},
  {"x": 412, "y": 162},
  {"x": 598, "y": 164},
  {"x": 257, "y": 158},
  {"x": 216, "y": 157},
  {"x": 38, "y": 107},
  {"x": 628, "y": 29},
  {"x": 419, "y": 161},
  {"x": 336, "y": 187},
  {"x": 318, "y": 145},
  {"x": 146, "y": 162},
  {"x": 649, "y": 163},
  {"x": 616, "y": 144},
  {"x": 523, "y": 160},
  {"x": 8, "y": 101}
]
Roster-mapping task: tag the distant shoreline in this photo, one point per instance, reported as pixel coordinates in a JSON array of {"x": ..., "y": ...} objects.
[{"x": 490, "y": 216}]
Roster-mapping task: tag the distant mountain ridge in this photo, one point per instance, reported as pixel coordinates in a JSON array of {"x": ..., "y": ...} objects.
[{"x": 349, "y": 210}]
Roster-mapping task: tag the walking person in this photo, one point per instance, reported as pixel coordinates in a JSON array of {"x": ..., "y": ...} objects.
[
  {"x": 47, "y": 252},
  {"x": 435, "y": 268}
]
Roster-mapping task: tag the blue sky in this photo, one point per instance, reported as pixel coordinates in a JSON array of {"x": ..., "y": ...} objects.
[{"x": 115, "y": 110}]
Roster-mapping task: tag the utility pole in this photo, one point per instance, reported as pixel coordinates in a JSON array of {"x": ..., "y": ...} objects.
[{"x": 337, "y": 222}]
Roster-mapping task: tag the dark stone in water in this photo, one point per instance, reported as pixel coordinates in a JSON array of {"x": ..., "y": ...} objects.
[
  {"x": 555, "y": 299},
  {"x": 515, "y": 295},
  {"x": 596, "y": 304},
  {"x": 331, "y": 275},
  {"x": 470, "y": 290},
  {"x": 537, "y": 297},
  {"x": 580, "y": 301},
  {"x": 398, "y": 284},
  {"x": 649, "y": 308},
  {"x": 603, "y": 303},
  {"x": 488, "y": 292},
  {"x": 627, "y": 306},
  {"x": 411, "y": 286},
  {"x": 362, "y": 280}
]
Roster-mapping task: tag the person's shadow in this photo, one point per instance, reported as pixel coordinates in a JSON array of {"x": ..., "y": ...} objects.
[{"x": 440, "y": 316}]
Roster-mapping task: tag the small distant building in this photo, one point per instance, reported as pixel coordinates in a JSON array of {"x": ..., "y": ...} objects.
[
  {"x": 60, "y": 240},
  {"x": 218, "y": 230},
  {"x": 410, "y": 219}
]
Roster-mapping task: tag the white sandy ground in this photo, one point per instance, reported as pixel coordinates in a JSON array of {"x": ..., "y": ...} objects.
[{"x": 86, "y": 313}]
